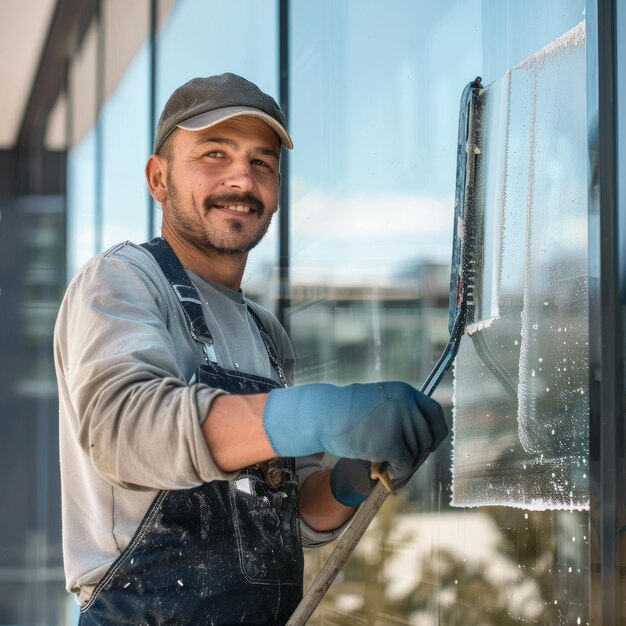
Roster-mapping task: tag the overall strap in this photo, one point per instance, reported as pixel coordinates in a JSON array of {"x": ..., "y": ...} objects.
[
  {"x": 192, "y": 305},
  {"x": 269, "y": 346},
  {"x": 185, "y": 292}
]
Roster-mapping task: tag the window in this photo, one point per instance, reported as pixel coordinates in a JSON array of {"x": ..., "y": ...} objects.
[
  {"x": 81, "y": 158},
  {"x": 124, "y": 121},
  {"x": 374, "y": 116}
]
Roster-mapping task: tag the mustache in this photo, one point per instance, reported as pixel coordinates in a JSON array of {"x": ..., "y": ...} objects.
[{"x": 223, "y": 199}]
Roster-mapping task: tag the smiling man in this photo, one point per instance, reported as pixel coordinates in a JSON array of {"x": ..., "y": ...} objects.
[
  {"x": 227, "y": 194},
  {"x": 191, "y": 469}
]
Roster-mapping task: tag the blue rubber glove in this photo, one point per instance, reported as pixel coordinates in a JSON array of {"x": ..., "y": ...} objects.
[{"x": 389, "y": 421}]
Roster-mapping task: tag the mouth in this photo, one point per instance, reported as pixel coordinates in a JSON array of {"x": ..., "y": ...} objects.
[
  {"x": 236, "y": 208},
  {"x": 238, "y": 205}
]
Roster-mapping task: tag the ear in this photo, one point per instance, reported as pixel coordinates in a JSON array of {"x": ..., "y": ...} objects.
[{"x": 156, "y": 177}]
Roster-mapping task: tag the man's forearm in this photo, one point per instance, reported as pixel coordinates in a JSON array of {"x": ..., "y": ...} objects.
[{"x": 234, "y": 433}]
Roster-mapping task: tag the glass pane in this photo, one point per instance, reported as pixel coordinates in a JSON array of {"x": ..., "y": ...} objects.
[
  {"x": 124, "y": 121},
  {"x": 373, "y": 180},
  {"x": 202, "y": 38},
  {"x": 81, "y": 158},
  {"x": 521, "y": 391}
]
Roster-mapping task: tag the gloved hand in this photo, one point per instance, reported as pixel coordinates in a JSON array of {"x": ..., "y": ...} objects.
[
  {"x": 389, "y": 421},
  {"x": 351, "y": 479}
]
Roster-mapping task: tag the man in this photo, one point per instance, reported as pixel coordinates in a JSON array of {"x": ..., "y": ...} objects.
[{"x": 191, "y": 471}]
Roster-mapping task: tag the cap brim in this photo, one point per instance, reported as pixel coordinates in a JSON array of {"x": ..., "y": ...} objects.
[{"x": 211, "y": 118}]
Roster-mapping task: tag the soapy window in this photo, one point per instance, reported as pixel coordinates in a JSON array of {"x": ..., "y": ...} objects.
[{"x": 520, "y": 378}]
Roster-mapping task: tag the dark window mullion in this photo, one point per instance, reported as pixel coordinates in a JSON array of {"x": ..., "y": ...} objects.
[
  {"x": 605, "y": 332},
  {"x": 152, "y": 79},
  {"x": 284, "y": 222},
  {"x": 99, "y": 146}
]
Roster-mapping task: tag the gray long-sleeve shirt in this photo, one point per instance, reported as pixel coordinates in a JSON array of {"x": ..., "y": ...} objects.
[{"x": 130, "y": 424}]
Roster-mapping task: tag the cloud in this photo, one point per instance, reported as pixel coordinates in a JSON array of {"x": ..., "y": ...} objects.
[{"x": 372, "y": 218}]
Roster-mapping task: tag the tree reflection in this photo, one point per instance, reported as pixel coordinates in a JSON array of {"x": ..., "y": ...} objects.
[{"x": 406, "y": 571}]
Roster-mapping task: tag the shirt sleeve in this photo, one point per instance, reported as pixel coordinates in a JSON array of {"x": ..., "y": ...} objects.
[{"x": 121, "y": 386}]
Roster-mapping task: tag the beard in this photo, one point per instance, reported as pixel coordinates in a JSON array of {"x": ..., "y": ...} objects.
[{"x": 232, "y": 240}]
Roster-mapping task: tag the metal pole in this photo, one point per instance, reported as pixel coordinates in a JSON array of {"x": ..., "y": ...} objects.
[
  {"x": 283, "y": 214},
  {"x": 151, "y": 105}
]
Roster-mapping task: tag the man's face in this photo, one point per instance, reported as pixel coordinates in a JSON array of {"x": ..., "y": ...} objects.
[{"x": 222, "y": 184}]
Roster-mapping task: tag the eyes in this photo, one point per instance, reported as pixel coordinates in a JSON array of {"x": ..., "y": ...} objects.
[
  {"x": 257, "y": 163},
  {"x": 262, "y": 164}
]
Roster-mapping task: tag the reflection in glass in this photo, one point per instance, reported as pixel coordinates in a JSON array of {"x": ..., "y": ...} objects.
[
  {"x": 81, "y": 157},
  {"x": 521, "y": 391},
  {"x": 372, "y": 191},
  {"x": 124, "y": 121}
]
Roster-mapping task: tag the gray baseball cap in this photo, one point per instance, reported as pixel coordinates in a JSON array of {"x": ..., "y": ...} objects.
[{"x": 204, "y": 102}]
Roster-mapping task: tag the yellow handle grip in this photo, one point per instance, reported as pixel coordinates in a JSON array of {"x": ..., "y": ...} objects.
[{"x": 383, "y": 477}]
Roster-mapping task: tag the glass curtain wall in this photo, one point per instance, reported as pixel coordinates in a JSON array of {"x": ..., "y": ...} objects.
[
  {"x": 31, "y": 281},
  {"x": 124, "y": 121},
  {"x": 108, "y": 85},
  {"x": 374, "y": 99},
  {"x": 82, "y": 198},
  {"x": 374, "y": 104}
]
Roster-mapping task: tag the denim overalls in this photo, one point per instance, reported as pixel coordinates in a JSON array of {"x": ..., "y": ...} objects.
[{"x": 226, "y": 552}]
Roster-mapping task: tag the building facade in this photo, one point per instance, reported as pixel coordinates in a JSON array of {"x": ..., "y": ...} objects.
[{"x": 356, "y": 265}]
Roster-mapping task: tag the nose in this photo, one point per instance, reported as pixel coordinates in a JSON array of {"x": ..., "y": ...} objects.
[{"x": 240, "y": 176}]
